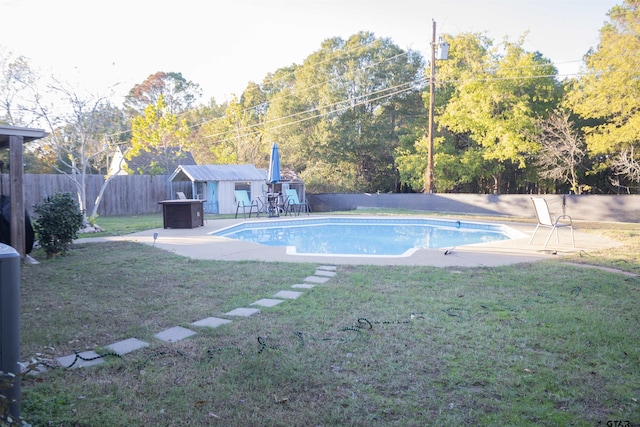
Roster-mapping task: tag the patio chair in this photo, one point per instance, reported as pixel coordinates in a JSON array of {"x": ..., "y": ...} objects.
[
  {"x": 242, "y": 201},
  {"x": 293, "y": 204},
  {"x": 546, "y": 219}
]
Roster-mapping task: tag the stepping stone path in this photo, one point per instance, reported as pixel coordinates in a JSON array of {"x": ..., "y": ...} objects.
[
  {"x": 267, "y": 302},
  {"x": 287, "y": 294},
  {"x": 322, "y": 275},
  {"x": 78, "y": 360},
  {"x": 177, "y": 333},
  {"x": 211, "y": 322},
  {"x": 303, "y": 286},
  {"x": 127, "y": 346},
  {"x": 244, "y": 312}
]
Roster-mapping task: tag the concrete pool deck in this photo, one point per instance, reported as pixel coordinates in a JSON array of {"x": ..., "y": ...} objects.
[{"x": 197, "y": 243}]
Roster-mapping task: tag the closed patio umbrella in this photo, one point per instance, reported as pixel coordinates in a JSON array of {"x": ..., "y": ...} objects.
[
  {"x": 274, "y": 165},
  {"x": 273, "y": 177}
]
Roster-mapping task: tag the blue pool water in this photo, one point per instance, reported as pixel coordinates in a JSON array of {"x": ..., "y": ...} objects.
[{"x": 363, "y": 236}]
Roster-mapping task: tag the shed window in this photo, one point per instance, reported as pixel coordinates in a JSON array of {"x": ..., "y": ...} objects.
[
  {"x": 244, "y": 186},
  {"x": 199, "y": 187}
]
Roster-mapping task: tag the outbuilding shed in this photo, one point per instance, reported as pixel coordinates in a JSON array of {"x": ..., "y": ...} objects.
[{"x": 216, "y": 184}]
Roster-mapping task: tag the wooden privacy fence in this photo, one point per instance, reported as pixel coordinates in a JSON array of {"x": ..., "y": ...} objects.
[{"x": 125, "y": 194}]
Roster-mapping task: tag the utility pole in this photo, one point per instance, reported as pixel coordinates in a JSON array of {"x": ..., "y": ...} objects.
[{"x": 428, "y": 178}]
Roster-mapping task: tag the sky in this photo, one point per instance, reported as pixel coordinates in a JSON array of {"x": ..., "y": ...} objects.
[{"x": 222, "y": 45}]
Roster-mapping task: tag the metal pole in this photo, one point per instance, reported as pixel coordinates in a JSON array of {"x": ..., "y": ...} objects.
[{"x": 428, "y": 188}]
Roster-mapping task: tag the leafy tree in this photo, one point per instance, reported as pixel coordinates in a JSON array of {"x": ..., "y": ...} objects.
[
  {"x": 494, "y": 99},
  {"x": 179, "y": 94},
  {"x": 161, "y": 133},
  {"x": 236, "y": 136},
  {"x": 199, "y": 120},
  {"x": 609, "y": 91},
  {"x": 339, "y": 115}
]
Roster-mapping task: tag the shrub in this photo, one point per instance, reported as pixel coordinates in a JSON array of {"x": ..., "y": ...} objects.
[
  {"x": 8, "y": 381},
  {"x": 58, "y": 220},
  {"x": 92, "y": 220}
]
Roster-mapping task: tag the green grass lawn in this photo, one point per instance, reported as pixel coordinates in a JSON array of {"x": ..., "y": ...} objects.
[{"x": 532, "y": 344}]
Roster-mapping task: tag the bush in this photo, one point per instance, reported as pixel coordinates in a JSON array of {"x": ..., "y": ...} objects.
[
  {"x": 57, "y": 222},
  {"x": 8, "y": 381}
]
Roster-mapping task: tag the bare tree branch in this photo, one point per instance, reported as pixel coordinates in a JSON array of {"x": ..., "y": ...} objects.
[
  {"x": 562, "y": 150},
  {"x": 627, "y": 164}
]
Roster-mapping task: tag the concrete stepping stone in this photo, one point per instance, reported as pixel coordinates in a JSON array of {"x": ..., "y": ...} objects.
[
  {"x": 327, "y": 267},
  {"x": 211, "y": 322},
  {"x": 324, "y": 273},
  {"x": 316, "y": 279},
  {"x": 33, "y": 370},
  {"x": 267, "y": 302},
  {"x": 303, "y": 286},
  {"x": 287, "y": 294},
  {"x": 177, "y": 333},
  {"x": 66, "y": 361},
  {"x": 127, "y": 346},
  {"x": 244, "y": 312}
]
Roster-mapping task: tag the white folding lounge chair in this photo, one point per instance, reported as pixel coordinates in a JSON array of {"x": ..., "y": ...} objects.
[{"x": 546, "y": 219}]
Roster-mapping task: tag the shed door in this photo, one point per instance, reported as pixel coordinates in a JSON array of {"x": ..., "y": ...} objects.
[{"x": 211, "y": 205}]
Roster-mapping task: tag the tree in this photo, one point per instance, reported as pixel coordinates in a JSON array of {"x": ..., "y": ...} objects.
[
  {"x": 160, "y": 133},
  {"x": 179, "y": 94},
  {"x": 628, "y": 165},
  {"x": 16, "y": 79},
  {"x": 340, "y": 114},
  {"x": 83, "y": 129},
  {"x": 609, "y": 91},
  {"x": 494, "y": 99},
  {"x": 199, "y": 120},
  {"x": 83, "y": 138},
  {"x": 562, "y": 150}
]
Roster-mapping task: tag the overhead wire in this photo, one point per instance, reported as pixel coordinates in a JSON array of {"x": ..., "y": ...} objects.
[
  {"x": 322, "y": 83},
  {"x": 411, "y": 86},
  {"x": 364, "y": 99},
  {"x": 414, "y": 82},
  {"x": 336, "y": 55}
]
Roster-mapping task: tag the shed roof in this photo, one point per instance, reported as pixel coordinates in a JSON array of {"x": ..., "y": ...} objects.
[{"x": 207, "y": 173}]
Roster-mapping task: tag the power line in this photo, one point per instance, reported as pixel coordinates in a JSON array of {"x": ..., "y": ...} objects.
[
  {"x": 308, "y": 88},
  {"x": 413, "y": 84},
  {"x": 365, "y": 99}
]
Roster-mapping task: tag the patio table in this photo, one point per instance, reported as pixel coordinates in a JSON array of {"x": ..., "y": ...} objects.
[{"x": 273, "y": 204}]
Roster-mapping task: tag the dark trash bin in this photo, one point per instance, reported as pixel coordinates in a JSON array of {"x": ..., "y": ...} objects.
[{"x": 5, "y": 225}]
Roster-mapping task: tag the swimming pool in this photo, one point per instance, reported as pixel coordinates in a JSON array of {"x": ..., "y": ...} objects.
[{"x": 365, "y": 236}]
